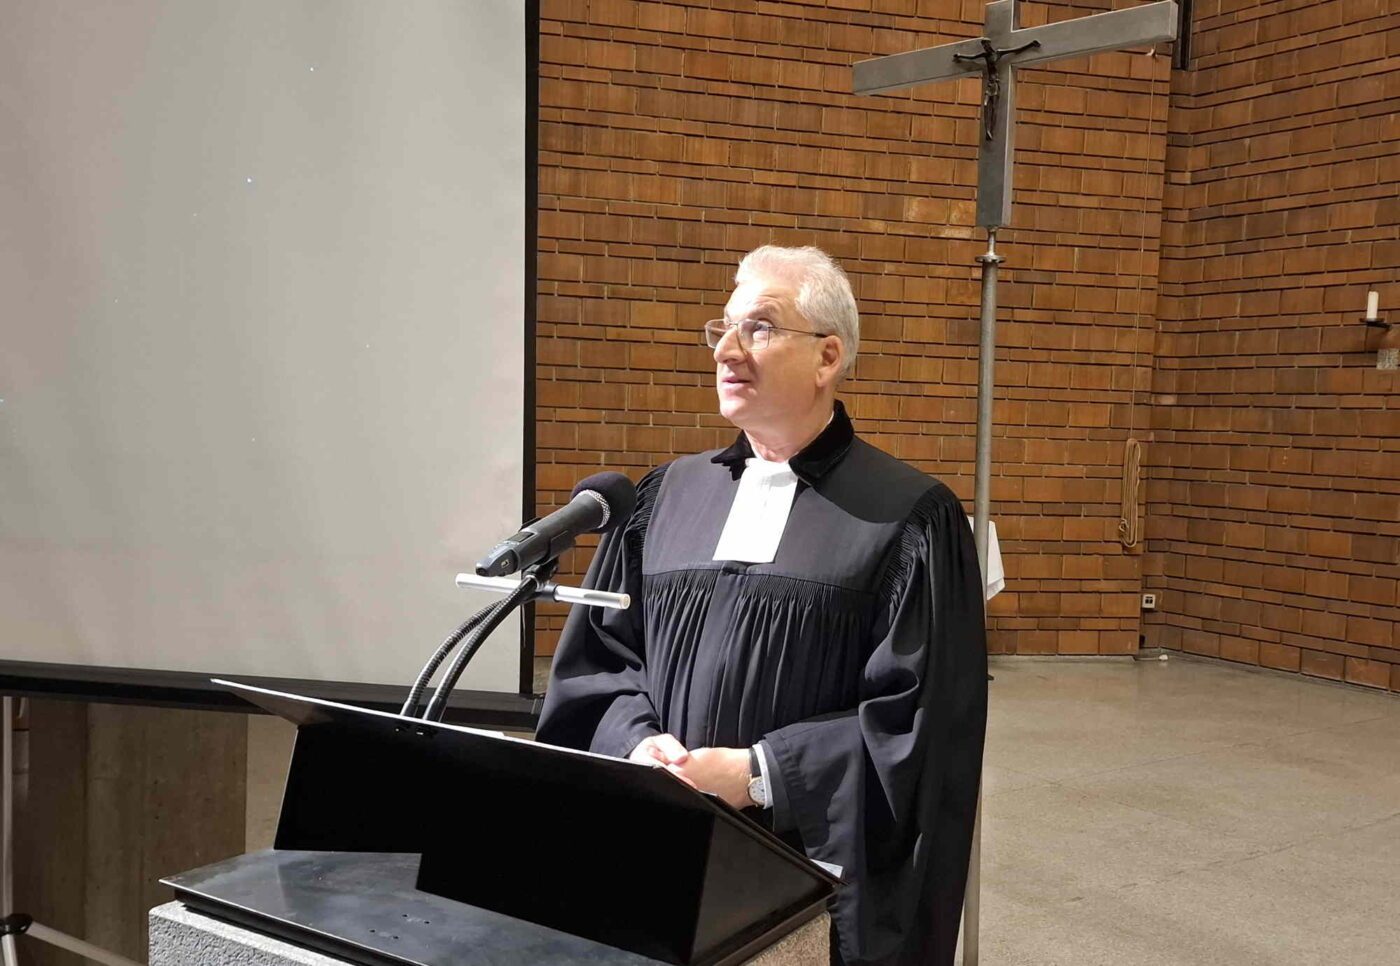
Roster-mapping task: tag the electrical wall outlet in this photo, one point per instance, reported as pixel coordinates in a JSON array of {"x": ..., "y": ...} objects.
[{"x": 1149, "y": 601}]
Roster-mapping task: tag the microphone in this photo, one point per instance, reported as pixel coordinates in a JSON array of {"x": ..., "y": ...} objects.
[{"x": 600, "y": 503}]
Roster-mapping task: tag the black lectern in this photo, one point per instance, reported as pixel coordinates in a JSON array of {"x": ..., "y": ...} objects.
[{"x": 404, "y": 841}]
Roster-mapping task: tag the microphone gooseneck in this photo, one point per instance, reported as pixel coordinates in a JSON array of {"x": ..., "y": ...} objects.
[
  {"x": 491, "y": 619},
  {"x": 415, "y": 693}
]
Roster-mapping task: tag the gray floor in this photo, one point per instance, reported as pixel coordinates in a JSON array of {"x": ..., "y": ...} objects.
[{"x": 1186, "y": 812}]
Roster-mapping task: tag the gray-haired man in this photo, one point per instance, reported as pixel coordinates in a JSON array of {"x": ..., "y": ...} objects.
[{"x": 809, "y": 642}]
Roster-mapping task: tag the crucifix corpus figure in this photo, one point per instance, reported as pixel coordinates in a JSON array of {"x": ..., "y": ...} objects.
[{"x": 1004, "y": 47}]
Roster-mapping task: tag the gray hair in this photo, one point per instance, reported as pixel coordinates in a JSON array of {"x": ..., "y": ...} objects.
[{"x": 823, "y": 293}]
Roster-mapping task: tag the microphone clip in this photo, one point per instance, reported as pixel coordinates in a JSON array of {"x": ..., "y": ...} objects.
[{"x": 547, "y": 589}]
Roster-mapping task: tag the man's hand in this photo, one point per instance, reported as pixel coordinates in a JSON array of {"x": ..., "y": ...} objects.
[
  {"x": 721, "y": 771},
  {"x": 662, "y": 751},
  {"x": 659, "y": 750}
]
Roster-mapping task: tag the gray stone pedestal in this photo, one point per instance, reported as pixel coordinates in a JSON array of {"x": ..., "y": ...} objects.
[{"x": 181, "y": 937}]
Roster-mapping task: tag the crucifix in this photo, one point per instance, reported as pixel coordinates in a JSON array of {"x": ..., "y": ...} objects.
[{"x": 1004, "y": 47}]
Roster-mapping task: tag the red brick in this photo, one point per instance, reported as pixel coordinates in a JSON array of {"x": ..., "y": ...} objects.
[
  {"x": 1239, "y": 649},
  {"x": 1265, "y": 422},
  {"x": 1318, "y": 664},
  {"x": 1280, "y": 656},
  {"x": 1373, "y": 674}
]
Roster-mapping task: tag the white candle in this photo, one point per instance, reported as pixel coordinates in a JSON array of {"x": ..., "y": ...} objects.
[{"x": 1373, "y": 304}]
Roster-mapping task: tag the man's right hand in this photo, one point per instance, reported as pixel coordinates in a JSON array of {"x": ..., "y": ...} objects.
[
  {"x": 663, "y": 751},
  {"x": 660, "y": 750}
]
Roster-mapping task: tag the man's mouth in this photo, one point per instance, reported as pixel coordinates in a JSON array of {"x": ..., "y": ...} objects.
[{"x": 732, "y": 380}]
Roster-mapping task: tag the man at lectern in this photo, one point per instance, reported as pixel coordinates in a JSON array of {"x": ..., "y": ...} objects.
[{"x": 807, "y": 635}]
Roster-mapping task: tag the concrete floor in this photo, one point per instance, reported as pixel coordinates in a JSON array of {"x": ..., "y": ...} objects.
[{"x": 1188, "y": 812}]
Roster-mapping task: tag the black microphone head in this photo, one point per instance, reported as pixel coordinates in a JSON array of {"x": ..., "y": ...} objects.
[{"x": 616, "y": 491}]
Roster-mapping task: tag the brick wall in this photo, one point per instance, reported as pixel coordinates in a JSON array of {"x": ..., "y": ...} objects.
[
  {"x": 1274, "y": 507},
  {"x": 676, "y": 136}
]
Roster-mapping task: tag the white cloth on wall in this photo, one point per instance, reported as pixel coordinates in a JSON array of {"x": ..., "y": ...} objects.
[{"x": 996, "y": 576}]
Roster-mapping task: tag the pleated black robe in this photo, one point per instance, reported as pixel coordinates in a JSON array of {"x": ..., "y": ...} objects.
[{"x": 858, "y": 657}]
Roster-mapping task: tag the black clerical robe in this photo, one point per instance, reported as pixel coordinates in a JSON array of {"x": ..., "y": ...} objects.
[{"x": 857, "y": 656}]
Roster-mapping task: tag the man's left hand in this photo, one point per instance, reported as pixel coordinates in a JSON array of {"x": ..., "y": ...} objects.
[{"x": 721, "y": 771}]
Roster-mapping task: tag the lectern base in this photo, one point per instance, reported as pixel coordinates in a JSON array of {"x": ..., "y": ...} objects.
[{"x": 183, "y": 937}]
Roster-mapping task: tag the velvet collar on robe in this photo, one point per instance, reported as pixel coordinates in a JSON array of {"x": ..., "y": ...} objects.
[{"x": 816, "y": 458}]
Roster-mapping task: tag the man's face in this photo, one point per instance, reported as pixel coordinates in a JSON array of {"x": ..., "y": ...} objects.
[{"x": 767, "y": 388}]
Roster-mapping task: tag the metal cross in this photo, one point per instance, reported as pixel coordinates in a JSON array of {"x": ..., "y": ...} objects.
[{"x": 1005, "y": 47}]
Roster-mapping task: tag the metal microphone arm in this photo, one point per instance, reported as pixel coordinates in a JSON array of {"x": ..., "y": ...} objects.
[{"x": 548, "y": 591}]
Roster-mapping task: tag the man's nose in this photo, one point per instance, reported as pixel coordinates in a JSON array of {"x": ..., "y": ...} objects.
[{"x": 729, "y": 349}]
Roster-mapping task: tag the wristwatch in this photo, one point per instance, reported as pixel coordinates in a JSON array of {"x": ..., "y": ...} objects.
[{"x": 758, "y": 788}]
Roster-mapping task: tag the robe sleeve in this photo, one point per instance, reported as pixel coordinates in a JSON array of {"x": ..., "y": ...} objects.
[
  {"x": 597, "y": 698},
  {"x": 888, "y": 790}
]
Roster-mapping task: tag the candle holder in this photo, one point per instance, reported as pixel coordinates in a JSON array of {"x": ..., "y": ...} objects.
[{"x": 1377, "y": 323}]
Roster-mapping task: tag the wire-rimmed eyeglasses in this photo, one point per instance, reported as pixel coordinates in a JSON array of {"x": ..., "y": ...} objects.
[{"x": 753, "y": 333}]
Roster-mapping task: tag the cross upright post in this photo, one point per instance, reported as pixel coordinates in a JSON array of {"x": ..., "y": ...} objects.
[{"x": 1004, "y": 47}]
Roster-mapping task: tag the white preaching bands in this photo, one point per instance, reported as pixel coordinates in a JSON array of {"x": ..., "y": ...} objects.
[{"x": 759, "y": 513}]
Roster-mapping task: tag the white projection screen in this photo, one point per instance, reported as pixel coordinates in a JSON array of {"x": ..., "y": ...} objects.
[{"x": 267, "y": 271}]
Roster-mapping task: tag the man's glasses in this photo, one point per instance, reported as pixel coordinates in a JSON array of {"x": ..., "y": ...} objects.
[{"x": 753, "y": 333}]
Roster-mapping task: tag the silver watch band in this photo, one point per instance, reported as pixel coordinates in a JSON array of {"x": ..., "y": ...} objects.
[{"x": 760, "y": 792}]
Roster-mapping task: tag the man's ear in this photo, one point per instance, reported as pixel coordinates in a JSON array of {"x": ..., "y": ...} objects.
[{"x": 833, "y": 357}]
